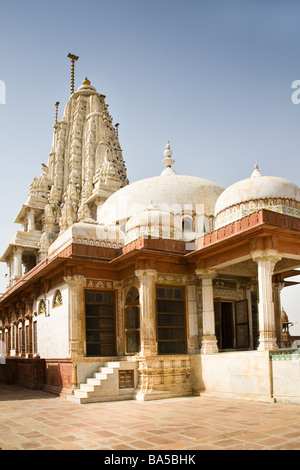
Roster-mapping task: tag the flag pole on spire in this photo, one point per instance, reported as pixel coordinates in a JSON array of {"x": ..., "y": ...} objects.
[{"x": 73, "y": 59}]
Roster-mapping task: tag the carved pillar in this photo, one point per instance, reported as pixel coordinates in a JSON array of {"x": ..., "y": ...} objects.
[
  {"x": 192, "y": 309},
  {"x": 23, "y": 341},
  {"x": 17, "y": 274},
  {"x": 29, "y": 317},
  {"x": 147, "y": 311},
  {"x": 277, "y": 307},
  {"x": 16, "y": 323},
  {"x": 8, "y": 339},
  {"x": 266, "y": 260},
  {"x": 76, "y": 314},
  {"x": 209, "y": 340},
  {"x": 31, "y": 220}
]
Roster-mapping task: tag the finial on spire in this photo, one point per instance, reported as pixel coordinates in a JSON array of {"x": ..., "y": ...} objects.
[
  {"x": 168, "y": 161},
  {"x": 56, "y": 112},
  {"x": 73, "y": 58},
  {"x": 86, "y": 81},
  {"x": 256, "y": 171}
]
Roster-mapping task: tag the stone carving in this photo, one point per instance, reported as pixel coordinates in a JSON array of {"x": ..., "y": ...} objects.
[{"x": 85, "y": 161}]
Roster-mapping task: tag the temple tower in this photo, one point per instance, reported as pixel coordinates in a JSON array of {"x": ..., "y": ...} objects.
[{"x": 85, "y": 166}]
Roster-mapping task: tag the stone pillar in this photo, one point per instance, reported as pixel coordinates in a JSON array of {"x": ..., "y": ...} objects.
[
  {"x": 76, "y": 314},
  {"x": 17, "y": 352},
  {"x": 266, "y": 260},
  {"x": 23, "y": 331},
  {"x": 277, "y": 288},
  {"x": 17, "y": 274},
  {"x": 147, "y": 311},
  {"x": 31, "y": 220},
  {"x": 30, "y": 338},
  {"x": 192, "y": 310},
  {"x": 209, "y": 340},
  {"x": 8, "y": 337}
]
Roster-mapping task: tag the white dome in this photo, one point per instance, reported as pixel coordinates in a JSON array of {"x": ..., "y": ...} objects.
[
  {"x": 271, "y": 192},
  {"x": 171, "y": 193},
  {"x": 154, "y": 223}
]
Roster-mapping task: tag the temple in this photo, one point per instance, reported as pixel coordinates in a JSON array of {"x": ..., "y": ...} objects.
[{"x": 165, "y": 287}]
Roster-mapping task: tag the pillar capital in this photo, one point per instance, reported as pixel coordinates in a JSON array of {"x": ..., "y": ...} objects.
[
  {"x": 146, "y": 274},
  {"x": 206, "y": 273},
  {"x": 266, "y": 255},
  {"x": 76, "y": 280}
]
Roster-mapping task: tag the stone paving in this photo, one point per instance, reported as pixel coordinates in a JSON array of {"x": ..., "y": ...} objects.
[{"x": 34, "y": 420}]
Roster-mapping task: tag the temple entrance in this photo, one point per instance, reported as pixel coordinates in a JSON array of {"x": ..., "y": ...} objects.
[
  {"x": 100, "y": 323},
  {"x": 232, "y": 324}
]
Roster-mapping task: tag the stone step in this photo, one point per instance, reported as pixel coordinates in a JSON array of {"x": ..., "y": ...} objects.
[
  {"x": 106, "y": 370},
  {"x": 100, "y": 387},
  {"x": 99, "y": 376},
  {"x": 96, "y": 399},
  {"x": 114, "y": 364}
]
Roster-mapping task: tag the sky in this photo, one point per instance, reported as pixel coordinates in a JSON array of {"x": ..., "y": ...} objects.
[{"x": 212, "y": 76}]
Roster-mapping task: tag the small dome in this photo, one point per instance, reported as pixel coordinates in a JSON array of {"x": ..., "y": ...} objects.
[
  {"x": 284, "y": 317},
  {"x": 86, "y": 86},
  {"x": 168, "y": 192},
  {"x": 255, "y": 193},
  {"x": 152, "y": 222}
]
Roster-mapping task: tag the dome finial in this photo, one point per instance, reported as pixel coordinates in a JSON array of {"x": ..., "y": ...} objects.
[
  {"x": 256, "y": 171},
  {"x": 168, "y": 161},
  {"x": 86, "y": 81}
]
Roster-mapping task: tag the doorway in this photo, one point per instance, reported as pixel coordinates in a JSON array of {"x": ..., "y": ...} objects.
[
  {"x": 232, "y": 324},
  {"x": 100, "y": 323}
]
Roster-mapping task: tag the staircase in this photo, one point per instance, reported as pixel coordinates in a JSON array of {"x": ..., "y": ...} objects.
[{"x": 103, "y": 386}]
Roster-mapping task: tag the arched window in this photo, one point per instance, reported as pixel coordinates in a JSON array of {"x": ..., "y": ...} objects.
[
  {"x": 132, "y": 321},
  {"x": 187, "y": 223},
  {"x": 42, "y": 307},
  {"x": 57, "y": 299}
]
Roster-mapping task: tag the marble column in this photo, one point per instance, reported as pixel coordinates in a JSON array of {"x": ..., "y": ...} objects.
[
  {"x": 192, "y": 311},
  {"x": 266, "y": 260},
  {"x": 31, "y": 220},
  {"x": 277, "y": 288},
  {"x": 76, "y": 314},
  {"x": 147, "y": 311},
  {"x": 209, "y": 340},
  {"x": 17, "y": 274}
]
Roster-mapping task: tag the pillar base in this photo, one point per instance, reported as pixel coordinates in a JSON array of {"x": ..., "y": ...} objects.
[
  {"x": 267, "y": 341},
  {"x": 209, "y": 345}
]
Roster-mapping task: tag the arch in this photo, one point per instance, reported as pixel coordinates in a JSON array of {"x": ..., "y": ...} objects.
[
  {"x": 42, "y": 307},
  {"x": 57, "y": 299},
  {"x": 187, "y": 223}
]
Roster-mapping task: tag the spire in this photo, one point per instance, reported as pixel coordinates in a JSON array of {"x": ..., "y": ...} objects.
[
  {"x": 168, "y": 161},
  {"x": 56, "y": 111},
  {"x": 256, "y": 172},
  {"x": 73, "y": 58}
]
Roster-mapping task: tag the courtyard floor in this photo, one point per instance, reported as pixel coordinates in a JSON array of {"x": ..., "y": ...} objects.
[{"x": 34, "y": 420}]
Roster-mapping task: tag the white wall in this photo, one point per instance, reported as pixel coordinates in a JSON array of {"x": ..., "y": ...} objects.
[
  {"x": 234, "y": 374},
  {"x": 53, "y": 330}
]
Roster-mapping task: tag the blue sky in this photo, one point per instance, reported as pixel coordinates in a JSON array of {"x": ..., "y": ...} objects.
[{"x": 213, "y": 77}]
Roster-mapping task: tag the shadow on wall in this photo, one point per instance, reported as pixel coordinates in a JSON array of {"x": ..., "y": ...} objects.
[{"x": 53, "y": 376}]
